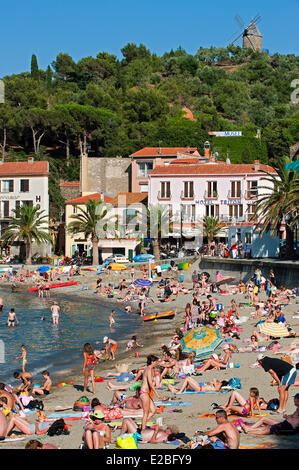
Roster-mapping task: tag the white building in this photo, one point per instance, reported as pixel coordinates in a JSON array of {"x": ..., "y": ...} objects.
[
  {"x": 195, "y": 188},
  {"x": 22, "y": 183}
]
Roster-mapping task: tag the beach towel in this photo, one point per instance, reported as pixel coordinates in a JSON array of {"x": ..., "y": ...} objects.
[
  {"x": 210, "y": 415},
  {"x": 189, "y": 392},
  {"x": 172, "y": 403}
]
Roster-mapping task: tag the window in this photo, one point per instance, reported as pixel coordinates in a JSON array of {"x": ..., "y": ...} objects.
[
  {"x": 7, "y": 186},
  {"x": 144, "y": 188},
  {"x": 188, "y": 212},
  {"x": 74, "y": 209},
  {"x": 212, "y": 189},
  {"x": 27, "y": 203},
  {"x": 165, "y": 189},
  {"x": 251, "y": 209},
  {"x": 235, "y": 190},
  {"x": 5, "y": 209},
  {"x": 252, "y": 190},
  {"x": 248, "y": 238},
  {"x": 144, "y": 168},
  {"x": 212, "y": 210},
  {"x": 188, "y": 189},
  {"x": 236, "y": 210},
  {"x": 24, "y": 186}
]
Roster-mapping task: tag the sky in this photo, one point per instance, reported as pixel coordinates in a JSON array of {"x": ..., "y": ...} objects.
[{"x": 84, "y": 28}]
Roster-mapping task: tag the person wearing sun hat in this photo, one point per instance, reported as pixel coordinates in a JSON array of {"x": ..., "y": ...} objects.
[
  {"x": 97, "y": 434},
  {"x": 110, "y": 342}
]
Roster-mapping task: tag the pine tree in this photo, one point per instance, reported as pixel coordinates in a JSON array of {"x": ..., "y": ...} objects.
[
  {"x": 49, "y": 76},
  {"x": 34, "y": 67}
]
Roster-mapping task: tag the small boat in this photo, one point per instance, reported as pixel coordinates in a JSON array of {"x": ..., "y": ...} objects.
[
  {"x": 160, "y": 316},
  {"x": 88, "y": 268},
  {"x": 53, "y": 286}
]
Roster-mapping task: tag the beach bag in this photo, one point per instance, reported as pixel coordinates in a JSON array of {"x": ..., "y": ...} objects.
[
  {"x": 235, "y": 383},
  {"x": 81, "y": 403},
  {"x": 36, "y": 404},
  {"x": 273, "y": 404},
  {"x": 57, "y": 428},
  {"x": 127, "y": 441}
]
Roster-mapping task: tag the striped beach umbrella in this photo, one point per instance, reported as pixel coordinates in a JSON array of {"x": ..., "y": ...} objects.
[
  {"x": 143, "y": 282},
  {"x": 277, "y": 330},
  {"x": 203, "y": 341}
]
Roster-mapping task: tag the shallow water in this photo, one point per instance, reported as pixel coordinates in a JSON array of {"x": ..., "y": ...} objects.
[{"x": 52, "y": 347}]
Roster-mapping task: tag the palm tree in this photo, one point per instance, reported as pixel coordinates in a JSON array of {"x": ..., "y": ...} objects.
[
  {"x": 158, "y": 220},
  {"x": 211, "y": 227},
  {"x": 279, "y": 205},
  {"x": 91, "y": 221},
  {"x": 29, "y": 225}
]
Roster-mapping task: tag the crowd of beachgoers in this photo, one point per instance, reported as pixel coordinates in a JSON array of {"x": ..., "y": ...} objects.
[{"x": 139, "y": 393}]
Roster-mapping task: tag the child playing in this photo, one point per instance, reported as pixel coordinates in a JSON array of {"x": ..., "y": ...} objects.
[
  {"x": 45, "y": 389},
  {"x": 133, "y": 342}
]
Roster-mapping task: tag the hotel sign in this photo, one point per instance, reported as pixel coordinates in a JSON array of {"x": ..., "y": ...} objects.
[
  {"x": 226, "y": 133},
  {"x": 225, "y": 202}
]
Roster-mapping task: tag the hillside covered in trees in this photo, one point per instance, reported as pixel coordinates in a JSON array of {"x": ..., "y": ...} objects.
[{"x": 110, "y": 107}]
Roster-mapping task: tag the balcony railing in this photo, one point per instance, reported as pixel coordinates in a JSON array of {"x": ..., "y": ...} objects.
[
  {"x": 188, "y": 196},
  {"x": 210, "y": 195},
  {"x": 164, "y": 196},
  {"x": 237, "y": 219},
  {"x": 234, "y": 195}
]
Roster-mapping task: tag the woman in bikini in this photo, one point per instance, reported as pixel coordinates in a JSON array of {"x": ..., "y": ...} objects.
[
  {"x": 90, "y": 361},
  {"x": 97, "y": 434},
  {"x": 245, "y": 407},
  {"x": 148, "y": 390},
  {"x": 191, "y": 384}
]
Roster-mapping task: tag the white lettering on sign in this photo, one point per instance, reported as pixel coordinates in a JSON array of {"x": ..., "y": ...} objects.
[
  {"x": 226, "y": 133},
  {"x": 223, "y": 202}
]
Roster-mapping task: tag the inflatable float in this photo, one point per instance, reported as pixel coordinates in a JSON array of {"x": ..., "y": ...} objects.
[
  {"x": 53, "y": 286},
  {"x": 159, "y": 316}
]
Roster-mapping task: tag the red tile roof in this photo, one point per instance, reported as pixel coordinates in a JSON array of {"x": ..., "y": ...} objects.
[
  {"x": 84, "y": 199},
  {"x": 188, "y": 114},
  {"x": 165, "y": 151},
  {"x": 35, "y": 168},
  {"x": 129, "y": 198},
  {"x": 71, "y": 184},
  {"x": 210, "y": 169}
]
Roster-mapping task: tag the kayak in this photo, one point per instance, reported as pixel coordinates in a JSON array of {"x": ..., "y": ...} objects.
[
  {"x": 88, "y": 268},
  {"x": 53, "y": 286},
  {"x": 159, "y": 316}
]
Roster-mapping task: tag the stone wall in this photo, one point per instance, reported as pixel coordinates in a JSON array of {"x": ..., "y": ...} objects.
[{"x": 109, "y": 175}]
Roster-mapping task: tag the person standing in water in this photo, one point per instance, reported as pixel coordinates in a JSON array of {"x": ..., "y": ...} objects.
[
  {"x": 111, "y": 318},
  {"x": 23, "y": 357},
  {"x": 12, "y": 318},
  {"x": 55, "y": 309},
  {"x": 1, "y": 304}
]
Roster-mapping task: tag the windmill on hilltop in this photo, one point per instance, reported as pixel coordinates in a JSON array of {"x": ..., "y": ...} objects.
[{"x": 252, "y": 37}]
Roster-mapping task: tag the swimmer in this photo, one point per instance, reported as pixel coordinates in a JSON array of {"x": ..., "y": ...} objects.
[{"x": 12, "y": 318}]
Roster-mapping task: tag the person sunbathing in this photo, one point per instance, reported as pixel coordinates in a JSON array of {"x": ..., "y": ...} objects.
[
  {"x": 267, "y": 425},
  {"x": 191, "y": 384},
  {"x": 216, "y": 363},
  {"x": 154, "y": 435},
  {"x": 251, "y": 347},
  {"x": 245, "y": 407}
]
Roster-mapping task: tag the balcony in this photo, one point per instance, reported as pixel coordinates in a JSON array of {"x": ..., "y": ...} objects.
[
  {"x": 164, "y": 196},
  {"x": 186, "y": 196},
  {"x": 231, "y": 220},
  {"x": 234, "y": 195},
  {"x": 210, "y": 195}
]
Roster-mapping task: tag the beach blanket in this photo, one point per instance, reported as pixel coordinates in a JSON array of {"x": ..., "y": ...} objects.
[
  {"x": 210, "y": 415},
  {"x": 189, "y": 392},
  {"x": 264, "y": 445}
]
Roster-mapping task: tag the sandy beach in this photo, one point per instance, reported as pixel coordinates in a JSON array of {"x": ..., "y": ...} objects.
[{"x": 187, "y": 418}]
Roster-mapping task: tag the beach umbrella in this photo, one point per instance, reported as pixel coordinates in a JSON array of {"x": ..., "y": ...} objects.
[
  {"x": 143, "y": 282},
  {"x": 44, "y": 269},
  {"x": 203, "y": 341},
  {"x": 277, "y": 330},
  {"x": 293, "y": 166}
]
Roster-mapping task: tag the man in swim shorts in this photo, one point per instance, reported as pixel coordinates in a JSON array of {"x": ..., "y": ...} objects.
[
  {"x": 45, "y": 389},
  {"x": 225, "y": 435},
  {"x": 153, "y": 436},
  {"x": 12, "y": 318}
]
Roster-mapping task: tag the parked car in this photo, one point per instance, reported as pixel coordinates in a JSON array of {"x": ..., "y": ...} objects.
[{"x": 116, "y": 259}]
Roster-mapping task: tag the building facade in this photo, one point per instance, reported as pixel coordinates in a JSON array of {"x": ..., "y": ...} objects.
[
  {"x": 230, "y": 192},
  {"x": 23, "y": 183}
]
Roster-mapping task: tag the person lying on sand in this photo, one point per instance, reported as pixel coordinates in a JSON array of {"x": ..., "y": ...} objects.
[
  {"x": 35, "y": 444},
  {"x": 266, "y": 425},
  {"x": 245, "y": 407},
  {"x": 129, "y": 403},
  {"x": 191, "y": 384},
  {"x": 215, "y": 363},
  {"x": 149, "y": 435}
]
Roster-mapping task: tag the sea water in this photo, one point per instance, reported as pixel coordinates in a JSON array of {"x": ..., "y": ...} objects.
[{"x": 57, "y": 348}]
